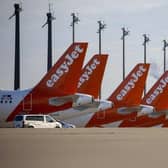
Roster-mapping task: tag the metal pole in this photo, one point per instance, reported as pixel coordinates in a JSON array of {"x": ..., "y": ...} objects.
[
  {"x": 99, "y": 32},
  {"x": 102, "y": 26},
  {"x": 73, "y": 28},
  {"x": 99, "y": 51},
  {"x": 164, "y": 59},
  {"x": 145, "y": 63},
  {"x": 50, "y": 18},
  {"x": 125, "y": 33},
  {"x": 123, "y": 56},
  {"x": 146, "y": 40},
  {"x": 17, "y": 46},
  {"x": 145, "y": 53},
  {"x": 165, "y": 44},
  {"x": 99, "y": 40}
]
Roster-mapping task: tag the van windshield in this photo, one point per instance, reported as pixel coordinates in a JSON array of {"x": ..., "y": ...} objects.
[{"x": 49, "y": 119}]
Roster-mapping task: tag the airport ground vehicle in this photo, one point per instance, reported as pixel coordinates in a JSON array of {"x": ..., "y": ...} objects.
[{"x": 36, "y": 121}]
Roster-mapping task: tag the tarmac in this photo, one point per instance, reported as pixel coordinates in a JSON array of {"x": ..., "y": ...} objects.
[{"x": 84, "y": 147}]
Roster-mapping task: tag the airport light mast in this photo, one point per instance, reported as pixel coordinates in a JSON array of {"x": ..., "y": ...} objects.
[
  {"x": 50, "y": 18},
  {"x": 75, "y": 20},
  {"x": 165, "y": 44},
  {"x": 16, "y": 13},
  {"x": 125, "y": 33},
  {"x": 146, "y": 40},
  {"x": 102, "y": 26}
]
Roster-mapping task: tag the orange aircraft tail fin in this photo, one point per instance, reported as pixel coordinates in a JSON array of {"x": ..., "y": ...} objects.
[
  {"x": 92, "y": 74},
  {"x": 130, "y": 91},
  {"x": 63, "y": 77},
  {"x": 61, "y": 80},
  {"x": 158, "y": 94}
]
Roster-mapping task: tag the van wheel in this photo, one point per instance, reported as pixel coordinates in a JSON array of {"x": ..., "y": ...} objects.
[{"x": 30, "y": 126}]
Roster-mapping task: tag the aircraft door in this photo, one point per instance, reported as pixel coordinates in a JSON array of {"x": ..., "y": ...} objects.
[{"x": 27, "y": 103}]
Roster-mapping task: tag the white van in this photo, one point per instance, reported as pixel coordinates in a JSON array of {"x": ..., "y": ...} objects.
[{"x": 36, "y": 121}]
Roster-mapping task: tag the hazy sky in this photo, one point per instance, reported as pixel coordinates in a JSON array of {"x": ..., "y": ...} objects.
[{"x": 139, "y": 16}]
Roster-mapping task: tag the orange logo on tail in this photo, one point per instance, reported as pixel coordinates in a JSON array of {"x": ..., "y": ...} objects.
[
  {"x": 89, "y": 70},
  {"x": 64, "y": 67},
  {"x": 162, "y": 84},
  {"x": 131, "y": 83}
]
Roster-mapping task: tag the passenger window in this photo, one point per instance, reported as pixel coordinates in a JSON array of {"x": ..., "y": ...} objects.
[
  {"x": 35, "y": 118},
  {"x": 39, "y": 118},
  {"x": 30, "y": 118}
]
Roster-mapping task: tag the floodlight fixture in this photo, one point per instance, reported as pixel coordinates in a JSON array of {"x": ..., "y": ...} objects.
[
  {"x": 146, "y": 39},
  {"x": 126, "y": 32},
  {"x": 75, "y": 20}
]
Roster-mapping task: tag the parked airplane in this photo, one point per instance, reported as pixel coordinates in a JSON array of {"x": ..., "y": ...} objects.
[
  {"x": 156, "y": 97},
  {"x": 126, "y": 99},
  {"x": 89, "y": 83},
  {"x": 60, "y": 82}
]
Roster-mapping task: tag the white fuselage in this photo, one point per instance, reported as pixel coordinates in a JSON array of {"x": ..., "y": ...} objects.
[{"x": 9, "y": 101}]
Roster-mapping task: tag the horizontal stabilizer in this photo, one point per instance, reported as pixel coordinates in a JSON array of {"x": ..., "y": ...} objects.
[
  {"x": 77, "y": 100},
  {"x": 156, "y": 114},
  {"x": 103, "y": 104},
  {"x": 141, "y": 109},
  {"x": 98, "y": 104},
  {"x": 128, "y": 110},
  {"x": 146, "y": 109}
]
